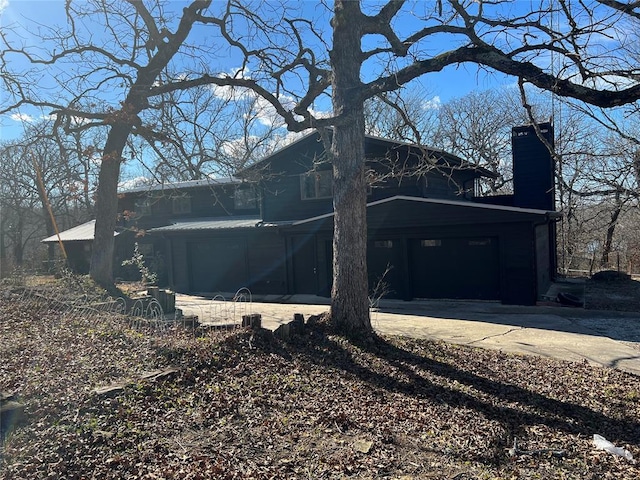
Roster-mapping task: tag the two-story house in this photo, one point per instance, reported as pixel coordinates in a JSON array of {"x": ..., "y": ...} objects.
[{"x": 429, "y": 235}]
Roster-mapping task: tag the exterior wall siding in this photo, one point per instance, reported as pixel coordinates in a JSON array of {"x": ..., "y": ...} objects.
[
  {"x": 408, "y": 222},
  {"x": 543, "y": 258},
  {"x": 288, "y": 260},
  {"x": 282, "y": 201}
]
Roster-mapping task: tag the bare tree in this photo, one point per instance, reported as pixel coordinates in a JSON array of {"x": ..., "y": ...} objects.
[
  {"x": 477, "y": 127},
  {"x": 18, "y": 206},
  {"x": 203, "y": 132},
  {"x": 39, "y": 171},
  {"x": 597, "y": 153},
  {"x": 404, "y": 116},
  {"x": 284, "y": 55}
]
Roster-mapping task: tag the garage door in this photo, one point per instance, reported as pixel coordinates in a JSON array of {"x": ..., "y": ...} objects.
[
  {"x": 218, "y": 265},
  {"x": 455, "y": 268},
  {"x": 384, "y": 265}
]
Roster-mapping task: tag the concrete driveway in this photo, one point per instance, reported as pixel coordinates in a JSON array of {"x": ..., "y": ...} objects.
[{"x": 609, "y": 339}]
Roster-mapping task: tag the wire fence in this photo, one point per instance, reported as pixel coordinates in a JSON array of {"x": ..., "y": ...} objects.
[
  {"x": 72, "y": 300},
  {"x": 221, "y": 312}
]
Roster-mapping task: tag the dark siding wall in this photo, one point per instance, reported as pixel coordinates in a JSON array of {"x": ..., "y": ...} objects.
[
  {"x": 407, "y": 214},
  {"x": 410, "y": 187},
  {"x": 440, "y": 186},
  {"x": 396, "y": 170},
  {"x": 282, "y": 198},
  {"x": 282, "y": 201},
  {"x": 533, "y": 168},
  {"x": 543, "y": 258},
  {"x": 409, "y": 221},
  {"x": 210, "y": 201}
]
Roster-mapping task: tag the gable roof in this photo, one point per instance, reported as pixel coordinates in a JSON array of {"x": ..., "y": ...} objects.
[
  {"x": 151, "y": 186},
  {"x": 443, "y": 157},
  {"x": 207, "y": 223},
  {"x": 80, "y": 233}
]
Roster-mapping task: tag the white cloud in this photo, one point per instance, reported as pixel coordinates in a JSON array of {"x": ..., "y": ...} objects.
[
  {"x": 3, "y": 5},
  {"x": 232, "y": 93},
  {"x": 267, "y": 115},
  {"x": 237, "y": 148},
  {"x": 22, "y": 117},
  {"x": 261, "y": 110},
  {"x": 432, "y": 104}
]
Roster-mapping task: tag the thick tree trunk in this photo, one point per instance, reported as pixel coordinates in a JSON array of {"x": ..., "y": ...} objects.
[
  {"x": 349, "y": 296},
  {"x": 106, "y": 209}
]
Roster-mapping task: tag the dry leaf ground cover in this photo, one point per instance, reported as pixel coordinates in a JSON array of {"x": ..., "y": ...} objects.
[
  {"x": 623, "y": 295},
  {"x": 243, "y": 405}
]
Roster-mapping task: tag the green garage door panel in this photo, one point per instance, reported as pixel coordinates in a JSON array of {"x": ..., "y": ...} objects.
[
  {"x": 455, "y": 268},
  {"x": 218, "y": 265}
]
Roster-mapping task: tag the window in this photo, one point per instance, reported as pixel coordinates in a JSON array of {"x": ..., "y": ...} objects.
[
  {"x": 430, "y": 243},
  {"x": 477, "y": 188},
  {"x": 181, "y": 205},
  {"x": 143, "y": 206},
  {"x": 245, "y": 199},
  {"x": 479, "y": 242},
  {"x": 383, "y": 244},
  {"x": 315, "y": 185}
]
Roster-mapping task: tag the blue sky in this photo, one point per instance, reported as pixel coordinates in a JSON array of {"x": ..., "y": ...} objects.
[{"x": 451, "y": 83}]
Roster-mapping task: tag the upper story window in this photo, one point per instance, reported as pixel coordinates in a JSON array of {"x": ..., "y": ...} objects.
[
  {"x": 245, "y": 199},
  {"x": 181, "y": 205},
  {"x": 315, "y": 185},
  {"x": 143, "y": 206}
]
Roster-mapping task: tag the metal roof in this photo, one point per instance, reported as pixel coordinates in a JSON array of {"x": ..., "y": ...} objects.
[
  {"x": 151, "y": 184},
  {"x": 80, "y": 233},
  {"x": 199, "y": 224}
]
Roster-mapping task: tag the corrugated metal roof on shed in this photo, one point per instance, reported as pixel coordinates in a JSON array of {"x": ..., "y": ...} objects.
[{"x": 84, "y": 232}]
